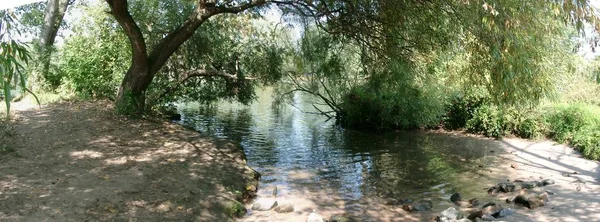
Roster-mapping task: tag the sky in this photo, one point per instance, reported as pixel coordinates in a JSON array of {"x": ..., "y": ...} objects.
[{"x": 4, "y": 4}]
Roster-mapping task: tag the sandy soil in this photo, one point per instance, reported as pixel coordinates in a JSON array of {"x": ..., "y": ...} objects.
[{"x": 81, "y": 162}]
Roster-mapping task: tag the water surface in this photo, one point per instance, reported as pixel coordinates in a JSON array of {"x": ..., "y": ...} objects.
[{"x": 339, "y": 170}]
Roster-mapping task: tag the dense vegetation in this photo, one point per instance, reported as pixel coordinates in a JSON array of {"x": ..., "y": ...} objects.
[{"x": 493, "y": 67}]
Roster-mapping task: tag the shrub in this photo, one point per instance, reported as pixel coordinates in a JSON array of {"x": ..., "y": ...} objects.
[
  {"x": 394, "y": 107},
  {"x": 461, "y": 110},
  {"x": 531, "y": 127},
  {"x": 587, "y": 140},
  {"x": 565, "y": 120},
  {"x": 486, "y": 120},
  {"x": 577, "y": 124}
]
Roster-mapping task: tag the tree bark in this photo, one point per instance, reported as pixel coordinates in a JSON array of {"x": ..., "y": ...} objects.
[
  {"x": 144, "y": 66},
  {"x": 53, "y": 16}
]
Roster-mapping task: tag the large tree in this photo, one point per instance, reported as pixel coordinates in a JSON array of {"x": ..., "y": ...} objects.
[
  {"x": 54, "y": 14},
  {"x": 388, "y": 30},
  {"x": 145, "y": 64}
]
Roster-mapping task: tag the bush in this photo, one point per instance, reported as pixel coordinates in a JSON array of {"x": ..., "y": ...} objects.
[
  {"x": 565, "y": 121},
  {"x": 461, "y": 110},
  {"x": 531, "y": 127},
  {"x": 577, "y": 124},
  {"x": 488, "y": 121},
  {"x": 587, "y": 140},
  {"x": 394, "y": 107}
]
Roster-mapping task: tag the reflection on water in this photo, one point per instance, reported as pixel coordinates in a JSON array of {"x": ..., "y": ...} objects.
[{"x": 296, "y": 151}]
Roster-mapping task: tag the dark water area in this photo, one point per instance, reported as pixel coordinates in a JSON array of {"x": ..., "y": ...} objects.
[{"x": 298, "y": 151}]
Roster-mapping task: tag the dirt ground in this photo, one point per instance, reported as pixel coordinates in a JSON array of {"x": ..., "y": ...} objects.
[{"x": 81, "y": 162}]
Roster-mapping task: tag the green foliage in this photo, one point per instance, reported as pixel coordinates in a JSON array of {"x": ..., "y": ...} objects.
[
  {"x": 93, "y": 61},
  {"x": 487, "y": 120},
  {"x": 566, "y": 120},
  {"x": 531, "y": 127},
  {"x": 235, "y": 209},
  {"x": 587, "y": 140},
  {"x": 13, "y": 56},
  {"x": 461, "y": 110},
  {"x": 577, "y": 124}
]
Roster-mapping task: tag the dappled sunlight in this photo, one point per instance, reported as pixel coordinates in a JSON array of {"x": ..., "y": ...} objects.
[
  {"x": 116, "y": 168},
  {"x": 86, "y": 154}
]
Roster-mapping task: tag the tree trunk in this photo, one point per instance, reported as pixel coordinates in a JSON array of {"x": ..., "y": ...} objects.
[
  {"x": 53, "y": 17},
  {"x": 131, "y": 95}
]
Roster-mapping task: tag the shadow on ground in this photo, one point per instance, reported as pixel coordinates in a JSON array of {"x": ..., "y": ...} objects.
[{"x": 81, "y": 162}]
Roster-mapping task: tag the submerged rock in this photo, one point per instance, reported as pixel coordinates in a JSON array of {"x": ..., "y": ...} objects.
[
  {"x": 341, "y": 218},
  {"x": 418, "y": 206},
  {"x": 264, "y": 204},
  {"x": 455, "y": 197},
  {"x": 547, "y": 182},
  {"x": 506, "y": 187}
]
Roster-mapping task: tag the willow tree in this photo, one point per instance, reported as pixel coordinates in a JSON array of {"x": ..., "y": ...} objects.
[{"x": 387, "y": 30}]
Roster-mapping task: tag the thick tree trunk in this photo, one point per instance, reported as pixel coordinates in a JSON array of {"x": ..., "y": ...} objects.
[
  {"x": 131, "y": 95},
  {"x": 53, "y": 17}
]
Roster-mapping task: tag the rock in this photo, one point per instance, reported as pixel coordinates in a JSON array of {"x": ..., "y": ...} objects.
[
  {"x": 488, "y": 204},
  {"x": 455, "y": 197},
  {"x": 264, "y": 204},
  {"x": 529, "y": 202},
  {"x": 547, "y": 182},
  {"x": 275, "y": 191},
  {"x": 474, "y": 215},
  {"x": 503, "y": 213},
  {"x": 510, "y": 199},
  {"x": 463, "y": 220},
  {"x": 450, "y": 214},
  {"x": 514, "y": 166},
  {"x": 313, "y": 217},
  {"x": 284, "y": 208},
  {"x": 474, "y": 202},
  {"x": 491, "y": 208},
  {"x": 341, "y": 218},
  {"x": 535, "y": 203},
  {"x": 528, "y": 185},
  {"x": 521, "y": 200},
  {"x": 488, "y": 217},
  {"x": 418, "y": 206},
  {"x": 506, "y": 187},
  {"x": 493, "y": 191},
  {"x": 398, "y": 202}
]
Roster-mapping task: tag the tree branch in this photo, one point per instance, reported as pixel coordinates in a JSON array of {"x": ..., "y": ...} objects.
[
  {"x": 207, "y": 72},
  {"x": 132, "y": 30}
]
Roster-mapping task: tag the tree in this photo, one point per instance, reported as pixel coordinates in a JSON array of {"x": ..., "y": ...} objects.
[
  {"x": 387, "y": 30},
  {"x": 53, "y": 16},
  {"x": 144, "y": 64}
]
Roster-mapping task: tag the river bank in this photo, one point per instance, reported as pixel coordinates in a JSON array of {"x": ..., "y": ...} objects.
[
  {"x": 81, "y": 162},
  {"x": 573, "y": 196}
]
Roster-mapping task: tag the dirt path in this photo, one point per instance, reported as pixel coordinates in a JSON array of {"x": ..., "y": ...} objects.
[
  {"x": 81, "y": 162},
  {"x": 577, "y": 188}
]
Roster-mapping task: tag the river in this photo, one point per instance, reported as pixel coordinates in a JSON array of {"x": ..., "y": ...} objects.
[{"x": 324, "y": 168}]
